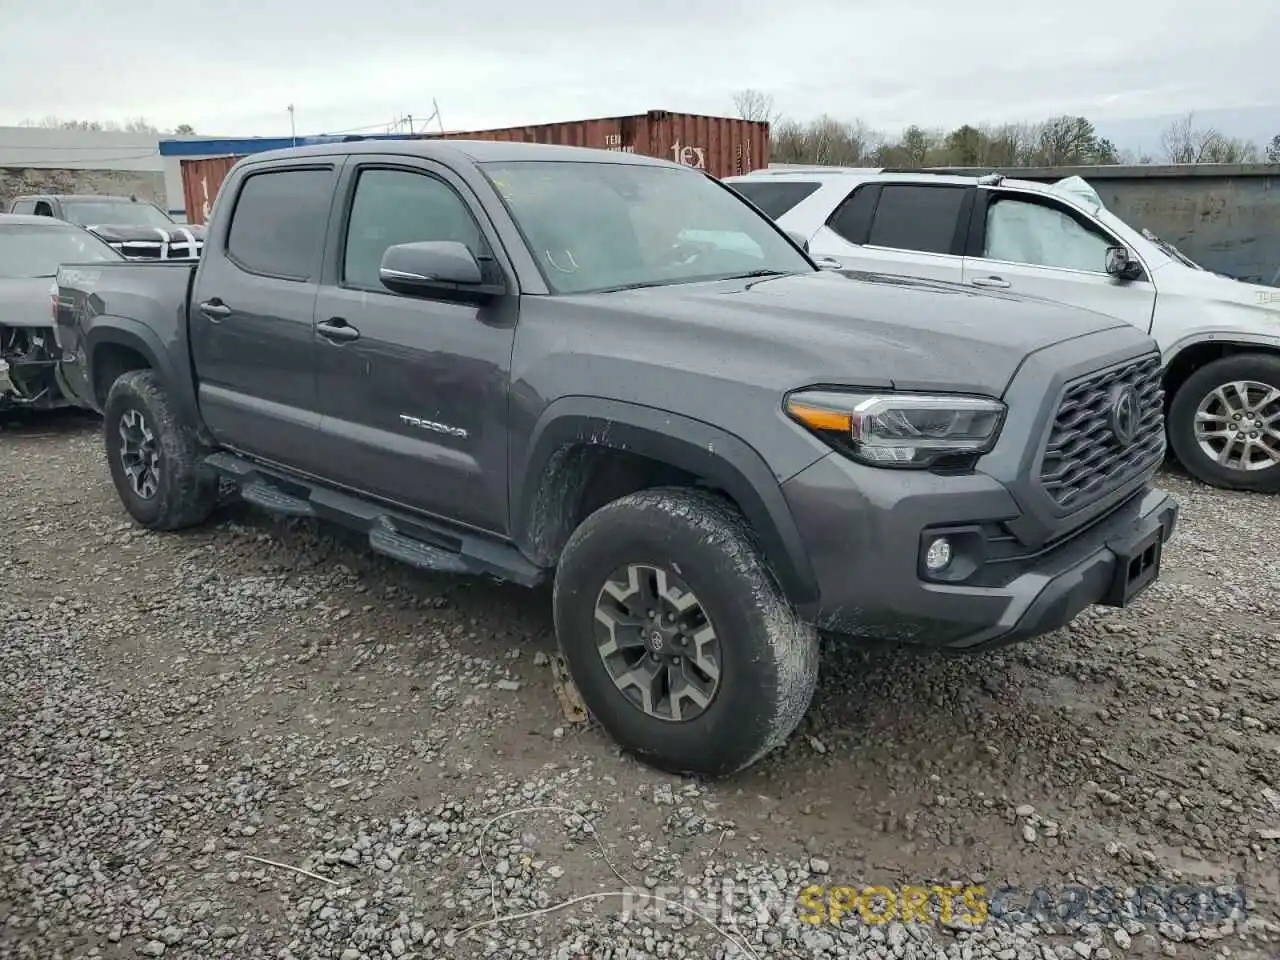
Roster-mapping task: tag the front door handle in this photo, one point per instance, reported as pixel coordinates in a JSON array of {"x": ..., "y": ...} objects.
[
  {"x": 337, "y": 330},
  {"x": 215, "y": 310},
  {"x": 989, "y": 282}
]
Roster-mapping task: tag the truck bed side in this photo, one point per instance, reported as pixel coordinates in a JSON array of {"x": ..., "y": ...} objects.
[{"x": 115, "y": 317}]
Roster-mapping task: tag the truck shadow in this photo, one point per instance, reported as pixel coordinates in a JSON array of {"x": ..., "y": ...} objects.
[{"x": 35, "y": 424}]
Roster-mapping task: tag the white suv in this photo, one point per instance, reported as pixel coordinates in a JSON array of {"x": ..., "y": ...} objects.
[{"x": 1220, "y": 337}]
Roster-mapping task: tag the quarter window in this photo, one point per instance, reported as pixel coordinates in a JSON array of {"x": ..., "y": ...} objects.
[
  {"x": 24, "y": 206},
  {"x": 399, "y": 206},
  {"x": 911, "y": 217},
  {"x": 775, "y": 197},
  {"x": 1019, "y": 231},
  {"x": 279, "y": 223}
]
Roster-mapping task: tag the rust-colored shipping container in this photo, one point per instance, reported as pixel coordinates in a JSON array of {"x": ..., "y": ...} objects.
[
  {"x": 723, "y": 146},
  {"x": 201, "y": 178}
]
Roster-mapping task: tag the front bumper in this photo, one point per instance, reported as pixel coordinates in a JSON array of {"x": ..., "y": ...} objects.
[{"x": 864, "y": 530}]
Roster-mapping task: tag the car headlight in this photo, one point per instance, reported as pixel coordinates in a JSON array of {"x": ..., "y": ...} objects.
[{"x": 904, "y": 430}]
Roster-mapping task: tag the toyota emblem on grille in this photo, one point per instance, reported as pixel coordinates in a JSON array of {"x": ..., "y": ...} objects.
[{"x": 1124, "y": 414}]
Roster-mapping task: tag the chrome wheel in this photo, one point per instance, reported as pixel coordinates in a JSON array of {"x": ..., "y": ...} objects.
[
  {"x": 1237, "y": 425},
  {"x": 657, "y": 643},
  {"x": 139, "y": 454}
]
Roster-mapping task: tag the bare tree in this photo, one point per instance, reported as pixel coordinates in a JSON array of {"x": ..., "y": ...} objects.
[
  {"x": 135, "y": 125},
  {"x": 1055, "y": 142},
  {"x": 1184, "y": 142},
  {"x": 755, "y": 105},
  {"x": 184, "y": 130}
]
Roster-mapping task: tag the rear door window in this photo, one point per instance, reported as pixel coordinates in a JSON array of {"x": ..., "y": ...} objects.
[
  {"x": 279, "y": 222},
  {"x": 773, "y": 197},
  {"x": 24, "y": 206},
  {"x": 917, "y": 217}
]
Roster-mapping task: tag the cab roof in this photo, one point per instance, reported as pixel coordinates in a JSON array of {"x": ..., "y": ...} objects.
[{"x": 478, "y": 151}]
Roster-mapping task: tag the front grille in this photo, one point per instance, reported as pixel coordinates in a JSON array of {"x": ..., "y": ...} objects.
[{"x": 1083, "y": 458}]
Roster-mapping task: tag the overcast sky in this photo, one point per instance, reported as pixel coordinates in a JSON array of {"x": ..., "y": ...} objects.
[{"x": 232, "y": 67}]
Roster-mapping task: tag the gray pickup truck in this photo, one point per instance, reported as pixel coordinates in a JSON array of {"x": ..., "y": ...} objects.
[{"x": 536, "y": 362}]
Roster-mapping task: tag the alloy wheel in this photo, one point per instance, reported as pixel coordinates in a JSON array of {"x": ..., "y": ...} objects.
[
  {"x": 1237, "y": 425},
  {"x": 657, "y": 643},
  {"x": 139, "y": 454}
]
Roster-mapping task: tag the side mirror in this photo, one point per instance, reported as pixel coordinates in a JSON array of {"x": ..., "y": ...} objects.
[
  {"x": 1121, "y": 265},
  {"x": 799, "y": 239},
  {"x": 429, "y": 266}
]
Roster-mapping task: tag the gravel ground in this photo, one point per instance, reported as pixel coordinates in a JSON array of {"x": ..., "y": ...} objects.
[{"x": 189, "y": 722}]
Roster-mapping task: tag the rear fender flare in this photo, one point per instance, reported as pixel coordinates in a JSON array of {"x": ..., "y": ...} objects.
[{"x": 110, "y": 331}]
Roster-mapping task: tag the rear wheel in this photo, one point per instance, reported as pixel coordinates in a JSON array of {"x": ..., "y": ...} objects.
[
  {"x": 154, "y": 459},
  {"x": 1224, "y": 423},
  {"x": 677, "y": 636}
]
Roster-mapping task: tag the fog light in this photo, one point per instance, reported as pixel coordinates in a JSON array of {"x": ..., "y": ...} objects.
[{"x": 938, "y": 555}]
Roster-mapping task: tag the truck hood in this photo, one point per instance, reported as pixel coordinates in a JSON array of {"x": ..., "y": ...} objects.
[
  {"x": 115, "y": 232},
  {"x": 179, "y": 241},
  {"x": 871, "y": 329},
  {"x": 25, "y": 302}
]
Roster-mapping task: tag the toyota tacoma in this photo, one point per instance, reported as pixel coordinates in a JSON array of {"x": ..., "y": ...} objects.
[{"x": 610, "y": 371}]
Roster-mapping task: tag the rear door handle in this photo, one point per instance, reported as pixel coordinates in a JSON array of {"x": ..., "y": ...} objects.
[
  {"x": 215, "y": 310},
  {"x": 337, "y": 330},
  {"x": 989, "y": 282}
]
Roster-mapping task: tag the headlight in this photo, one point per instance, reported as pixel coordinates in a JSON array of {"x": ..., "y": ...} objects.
[{"x": 901, "y": 430}]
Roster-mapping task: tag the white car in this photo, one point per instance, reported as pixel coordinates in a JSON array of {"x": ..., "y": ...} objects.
[{"x": 1220, "y": 337}]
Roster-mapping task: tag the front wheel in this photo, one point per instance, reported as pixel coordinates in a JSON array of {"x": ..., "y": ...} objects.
[
  {"x": 678, "y": 637},
  {"x": 1224, "y": 423}
]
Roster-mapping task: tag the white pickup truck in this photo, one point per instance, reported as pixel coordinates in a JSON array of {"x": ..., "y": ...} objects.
[{"x": 1220, "y": 337}]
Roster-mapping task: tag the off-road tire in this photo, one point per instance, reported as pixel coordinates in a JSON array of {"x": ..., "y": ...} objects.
[
  {"x": 769, "y": 656},
  {"x": 187, "y": 490},
  {"x": 1260, "y": 367}
]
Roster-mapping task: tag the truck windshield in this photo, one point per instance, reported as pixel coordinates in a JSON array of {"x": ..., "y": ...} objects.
[
  {"x": 121, "y": 212},
  {"x": 595, "y": 227},
  {"x": 37, "y": 250}
]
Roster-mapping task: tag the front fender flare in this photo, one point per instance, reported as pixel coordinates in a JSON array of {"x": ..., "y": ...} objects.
[{"x": 693, "y": 446}]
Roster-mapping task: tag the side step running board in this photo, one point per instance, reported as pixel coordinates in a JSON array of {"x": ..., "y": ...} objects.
[
  {"x": 264, "y": 495},
  {"x": 411, "y": 539}
]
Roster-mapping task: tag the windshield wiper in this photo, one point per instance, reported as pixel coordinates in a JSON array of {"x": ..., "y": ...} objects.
[
  {"x": 640, "y": 285},
  {"x": 1170, "y": 249},
  {"x": 762, "y": 272}
]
